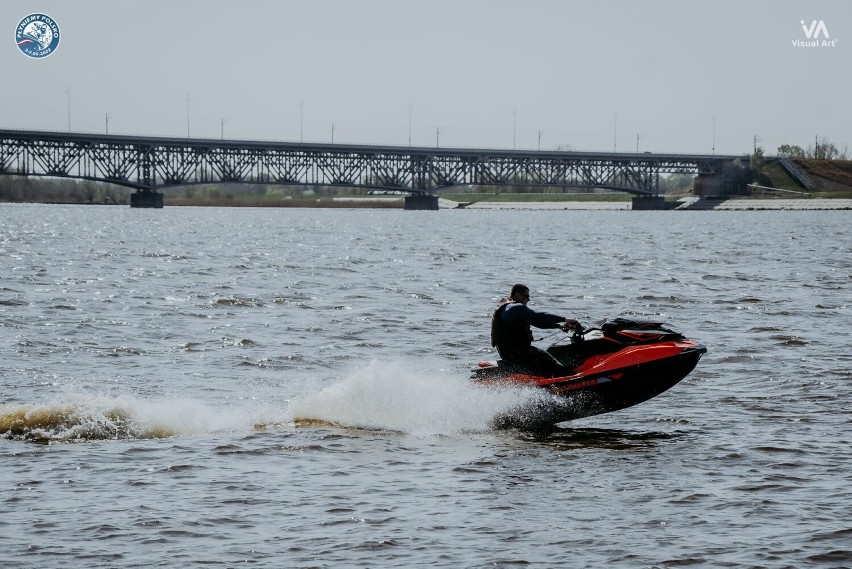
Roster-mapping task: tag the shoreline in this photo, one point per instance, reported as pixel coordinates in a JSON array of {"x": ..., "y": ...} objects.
[
  {"x": 780, "y": 204},
  {"x": 687, "y": 204}
]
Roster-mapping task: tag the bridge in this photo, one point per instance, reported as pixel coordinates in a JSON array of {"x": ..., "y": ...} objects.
[{"x": 148, "y": 163}]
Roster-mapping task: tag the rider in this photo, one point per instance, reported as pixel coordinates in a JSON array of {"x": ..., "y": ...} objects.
[{"x": 512, "y": 336}]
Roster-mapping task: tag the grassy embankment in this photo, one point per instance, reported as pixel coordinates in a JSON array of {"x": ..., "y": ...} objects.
[{"x": 833, "y": 176}]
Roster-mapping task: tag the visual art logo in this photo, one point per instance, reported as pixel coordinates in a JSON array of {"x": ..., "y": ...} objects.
[
  {"x": 815, "y": 29},
  {"x": 37, "y": 35},
  {"x": 816, "y": 35}
]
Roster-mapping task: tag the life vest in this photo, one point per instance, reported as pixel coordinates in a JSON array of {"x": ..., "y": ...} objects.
[{"x": 512, "y": 335}]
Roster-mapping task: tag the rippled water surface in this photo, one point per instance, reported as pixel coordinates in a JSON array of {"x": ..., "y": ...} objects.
[{"x": 289, "y": 388}]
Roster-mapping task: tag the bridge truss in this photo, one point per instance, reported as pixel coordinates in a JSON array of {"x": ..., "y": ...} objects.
[{"x": 149, "y": 163}]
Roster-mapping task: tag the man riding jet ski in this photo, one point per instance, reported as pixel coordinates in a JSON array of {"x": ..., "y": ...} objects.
[
  {"x": 512, "y": 336},
  {"x": 622, "y": 363}
]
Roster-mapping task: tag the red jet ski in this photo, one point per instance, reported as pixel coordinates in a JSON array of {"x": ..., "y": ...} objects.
[{"x": 620, "y": 364}]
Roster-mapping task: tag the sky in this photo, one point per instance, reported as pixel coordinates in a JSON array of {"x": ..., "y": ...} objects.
[{"x": 626, "y": 75}]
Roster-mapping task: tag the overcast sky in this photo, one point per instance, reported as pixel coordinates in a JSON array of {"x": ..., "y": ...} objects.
[{"x": 684, "y": 76}]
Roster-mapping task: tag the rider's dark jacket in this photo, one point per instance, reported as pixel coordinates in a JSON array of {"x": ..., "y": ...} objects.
[{"x": 510, "y": 327}]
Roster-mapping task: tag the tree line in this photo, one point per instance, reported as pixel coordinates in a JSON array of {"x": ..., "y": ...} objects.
[
  {"x": 38, "y": 189},
  {"x": 821, "y": 150}
]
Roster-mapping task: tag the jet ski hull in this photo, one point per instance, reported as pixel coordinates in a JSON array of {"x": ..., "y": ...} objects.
[{"x": 611, "y": 373}]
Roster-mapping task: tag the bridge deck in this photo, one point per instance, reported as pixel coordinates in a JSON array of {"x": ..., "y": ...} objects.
[{"x": 148, "y": 162}]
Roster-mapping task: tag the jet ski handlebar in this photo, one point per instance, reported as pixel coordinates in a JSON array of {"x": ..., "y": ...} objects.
[{"x": 580, "y": 336}]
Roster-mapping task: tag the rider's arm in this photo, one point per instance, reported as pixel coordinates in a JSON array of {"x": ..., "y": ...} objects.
[{"x": 518, "y": 311}]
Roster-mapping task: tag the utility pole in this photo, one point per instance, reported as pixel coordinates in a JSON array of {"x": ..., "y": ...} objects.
[
  {"x": 714, "y": 134},
  {"x": 514, "y": 128},
  {"x": 615, "y": 132}
]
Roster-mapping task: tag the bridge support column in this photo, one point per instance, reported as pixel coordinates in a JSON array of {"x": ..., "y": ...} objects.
[
  {"x": 649, "y": 203},
  {"x": 708, "y": 185},
  {"x": 146, "y": 198},
  {"x": 421, "y": 202}
]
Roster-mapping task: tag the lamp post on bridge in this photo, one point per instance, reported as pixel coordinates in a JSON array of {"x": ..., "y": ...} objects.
[
  {"x": 615, "y": 132},
  {"x": 713, "y": 119},
  {"x": 514, "y": 128}
]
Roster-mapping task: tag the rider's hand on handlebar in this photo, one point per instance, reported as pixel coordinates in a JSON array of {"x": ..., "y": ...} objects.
[{"x": 572, "y": 325}]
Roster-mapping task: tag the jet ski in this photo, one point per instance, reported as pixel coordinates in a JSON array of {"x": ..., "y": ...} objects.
[{"x": 617, "y": 365}]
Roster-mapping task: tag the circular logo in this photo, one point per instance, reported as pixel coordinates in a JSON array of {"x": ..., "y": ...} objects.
[{"x": 37, "y": 35}]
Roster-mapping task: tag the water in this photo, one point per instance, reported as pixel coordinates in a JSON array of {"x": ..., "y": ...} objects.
[{"x": 289, "y": 388}]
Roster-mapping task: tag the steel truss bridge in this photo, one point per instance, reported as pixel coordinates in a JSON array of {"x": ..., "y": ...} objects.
[{"x": 148, "y": 163}]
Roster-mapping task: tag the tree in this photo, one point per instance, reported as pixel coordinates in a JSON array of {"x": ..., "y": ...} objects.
[
  {"x": 675, "y": 183},
  {"x": 791, "y": 151},
  {"x": 821, "y": 150},
  {"x": 758, "y": 161},
  {"x": 826, "y": 150}
]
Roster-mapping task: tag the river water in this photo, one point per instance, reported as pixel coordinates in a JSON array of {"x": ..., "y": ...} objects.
[{"x": 289, "y": 388}]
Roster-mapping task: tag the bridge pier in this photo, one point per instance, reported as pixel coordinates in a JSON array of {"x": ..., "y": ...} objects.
[
  {"x": 708, "y": 185},
  {"x": 146, "y": 198},
  {"x": 649, "y": 203},
  {"x": 421, "y": 202}
]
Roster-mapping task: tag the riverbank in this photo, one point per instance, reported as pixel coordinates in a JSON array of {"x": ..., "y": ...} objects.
[
  {"x": 734, "y": 204},
  {"x": 685, "y": 204},
  {"x": 768, "y": 204}
]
